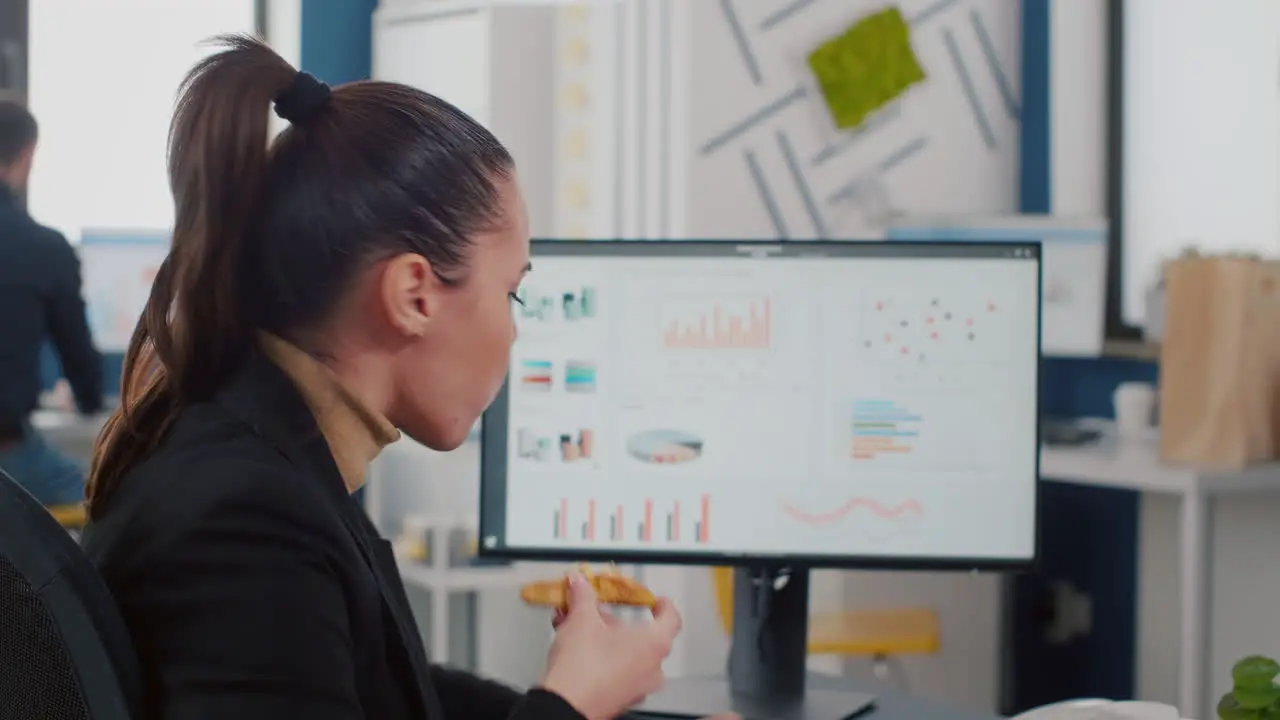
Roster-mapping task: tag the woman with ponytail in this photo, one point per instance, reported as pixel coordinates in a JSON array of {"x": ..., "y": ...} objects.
[{"x": 325, "y": 291}]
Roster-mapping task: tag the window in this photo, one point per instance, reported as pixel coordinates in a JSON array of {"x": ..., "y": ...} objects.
[
  {"x": 103, "y": 79},
  {"x": 1200, "y": 128}
]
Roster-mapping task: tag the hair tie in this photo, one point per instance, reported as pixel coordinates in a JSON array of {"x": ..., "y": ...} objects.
[{"x": 302, "y": 99}]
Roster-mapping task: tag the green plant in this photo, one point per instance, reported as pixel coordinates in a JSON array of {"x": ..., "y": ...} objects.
[
  {"x": 1254, "y": 695},
  {"x": 866, "y": 67}
]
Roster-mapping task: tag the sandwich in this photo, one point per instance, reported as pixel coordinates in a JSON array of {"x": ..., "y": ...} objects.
[{"x": 611, "y": 586}]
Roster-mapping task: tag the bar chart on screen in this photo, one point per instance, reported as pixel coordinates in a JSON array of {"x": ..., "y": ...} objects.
[
  {"x": 562, "y": 444},
  {"x": 636, "y": 522},
  {"x": 570, "y": 304},
  {"x": 732, "y": 322},
  {"x": 925, "y": 431},
  {"x": 882, "y": 427}
]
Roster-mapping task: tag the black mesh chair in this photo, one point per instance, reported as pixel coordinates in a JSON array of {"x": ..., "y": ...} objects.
[{"x": 65, "y": 653}]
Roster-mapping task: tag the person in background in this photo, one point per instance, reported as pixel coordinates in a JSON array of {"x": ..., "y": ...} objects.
[{"x": 40, "y": 300}]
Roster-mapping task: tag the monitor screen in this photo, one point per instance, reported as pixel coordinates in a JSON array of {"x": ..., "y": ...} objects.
[{"x": 836, "y": 404}]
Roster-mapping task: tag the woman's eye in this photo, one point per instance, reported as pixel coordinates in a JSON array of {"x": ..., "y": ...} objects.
[{"x": 516, "y": 299}]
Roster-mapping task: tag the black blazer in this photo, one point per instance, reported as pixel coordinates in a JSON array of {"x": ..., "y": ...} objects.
[
  {"x": 40, "y": 295},
  {"x": 255, "y": 587}
]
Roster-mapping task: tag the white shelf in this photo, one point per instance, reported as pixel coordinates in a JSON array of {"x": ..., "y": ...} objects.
[{"x": 1134, "y": 464}]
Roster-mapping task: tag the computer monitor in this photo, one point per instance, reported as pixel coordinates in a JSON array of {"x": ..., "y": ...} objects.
[{"x": 772, "y": 406}]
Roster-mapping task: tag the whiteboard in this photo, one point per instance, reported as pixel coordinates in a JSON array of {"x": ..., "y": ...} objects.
[{"x": 117, "y": 271}]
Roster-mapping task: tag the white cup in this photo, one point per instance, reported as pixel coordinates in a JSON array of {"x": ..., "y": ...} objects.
[{"x": 1135, "y": 404}]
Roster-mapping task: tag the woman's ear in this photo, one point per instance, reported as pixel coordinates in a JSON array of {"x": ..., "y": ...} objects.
[{"x": 409, "y": 293}]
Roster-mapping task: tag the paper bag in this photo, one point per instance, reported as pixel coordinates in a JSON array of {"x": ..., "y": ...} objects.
[{"x": 1219, "y": 363}]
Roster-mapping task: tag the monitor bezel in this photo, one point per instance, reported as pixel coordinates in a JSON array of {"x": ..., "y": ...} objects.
[{"x": 493, "y": 455}]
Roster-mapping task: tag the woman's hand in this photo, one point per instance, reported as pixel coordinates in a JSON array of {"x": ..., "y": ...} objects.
[
  {"x": 601, "y": 666},
  {"x": 561, "y": 615}
]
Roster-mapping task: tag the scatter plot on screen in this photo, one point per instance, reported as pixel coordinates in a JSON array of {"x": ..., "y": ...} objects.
[{"x": 933, "y": 328}]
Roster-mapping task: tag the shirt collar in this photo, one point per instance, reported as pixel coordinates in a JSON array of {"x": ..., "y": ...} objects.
[{"x": 354, "y": 431}]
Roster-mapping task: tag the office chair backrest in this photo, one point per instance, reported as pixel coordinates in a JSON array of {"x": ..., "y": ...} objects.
[{"x": 65, "y": 653}]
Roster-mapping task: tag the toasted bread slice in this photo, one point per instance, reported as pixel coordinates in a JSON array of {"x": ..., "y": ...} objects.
[{"x": 613, "y": 588}]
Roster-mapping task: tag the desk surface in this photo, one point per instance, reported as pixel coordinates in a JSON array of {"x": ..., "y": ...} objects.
[
  {"x": 889, "y": 704},
  {"x": 70, "y": 432},
  {"x": 47, "y": 419}
]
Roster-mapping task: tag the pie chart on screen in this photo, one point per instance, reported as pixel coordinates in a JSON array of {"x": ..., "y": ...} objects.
[{"x": 664, "y": 447}]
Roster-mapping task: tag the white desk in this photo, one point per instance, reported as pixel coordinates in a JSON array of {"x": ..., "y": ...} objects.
[
  {"x": 438, "y": 576},
  {"x": 70, "y": 432},
  {"x": 442, "y": 581},
  {"x": 1134, "y": 464}
]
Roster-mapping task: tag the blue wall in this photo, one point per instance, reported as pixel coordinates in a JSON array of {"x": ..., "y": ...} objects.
[{"x": 337, "y": 39}]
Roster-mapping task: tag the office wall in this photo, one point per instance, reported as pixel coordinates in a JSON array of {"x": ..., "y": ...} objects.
[
  {"x": 701, "y": 120},
  {"x": 768, "y": 162},
  {"x": 284, "y": 28}
]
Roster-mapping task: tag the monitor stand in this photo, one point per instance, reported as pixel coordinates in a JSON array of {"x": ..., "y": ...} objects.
[{"x": 767, "y": 670}]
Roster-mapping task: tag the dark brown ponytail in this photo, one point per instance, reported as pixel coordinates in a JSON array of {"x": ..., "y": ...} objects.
[{"x": 194, "y": 333}]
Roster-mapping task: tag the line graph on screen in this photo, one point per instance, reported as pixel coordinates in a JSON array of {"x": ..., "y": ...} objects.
[{"x": 855, "y": 508}]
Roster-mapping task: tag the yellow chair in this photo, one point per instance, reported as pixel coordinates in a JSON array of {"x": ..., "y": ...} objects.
[
  {"x": 881, "y": 635},
  {"x": 71, "y": 517}
]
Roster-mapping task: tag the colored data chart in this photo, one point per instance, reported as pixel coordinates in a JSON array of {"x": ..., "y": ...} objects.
[
  {"x": 718, "y": 325},
  {"x": 647, "y": 522},
  {"x": 882, "y": 427},
  {"x": 664, "y": 447},
  {"x": 565, "y": 447},
  {"x": 537, "y": 375},
  {"x": 570, "y": 305},
  {"x": 933, "y": 328},
  {"x": 579, "y": 376}
]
